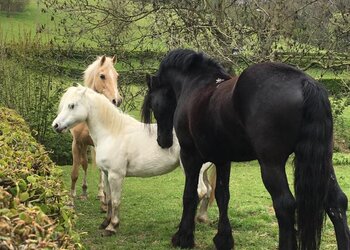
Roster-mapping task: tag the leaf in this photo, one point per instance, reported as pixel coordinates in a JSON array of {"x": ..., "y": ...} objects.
[
  {"x": 24, "y": 196},
  {"x": 22, "y": 185},
  {"x": 31, "y": 179}
]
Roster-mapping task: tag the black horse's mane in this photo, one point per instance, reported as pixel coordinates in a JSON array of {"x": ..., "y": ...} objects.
[{"x": 189, "y": 61}]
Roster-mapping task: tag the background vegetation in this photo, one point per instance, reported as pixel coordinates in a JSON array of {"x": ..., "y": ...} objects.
[{"x": 46, "y": 45}]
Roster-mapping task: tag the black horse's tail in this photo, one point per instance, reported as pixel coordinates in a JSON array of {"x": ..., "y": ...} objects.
[{"x": 313, "y": 161}]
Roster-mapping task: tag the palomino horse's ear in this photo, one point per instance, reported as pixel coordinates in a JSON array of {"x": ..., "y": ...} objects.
[
  {"x": 149, "y": 80},
  {"x": 103, "y": 59},
  {"x": 114, "y": 59}
]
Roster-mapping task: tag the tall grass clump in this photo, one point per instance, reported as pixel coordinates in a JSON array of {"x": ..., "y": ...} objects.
[{"x": 29, "y": 84}]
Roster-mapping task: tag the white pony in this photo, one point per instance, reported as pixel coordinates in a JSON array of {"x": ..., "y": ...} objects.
[{"x": 124, "y": 147}]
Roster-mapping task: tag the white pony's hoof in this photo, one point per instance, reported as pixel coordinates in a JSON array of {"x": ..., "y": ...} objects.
[{"x": 203, "y": 219}]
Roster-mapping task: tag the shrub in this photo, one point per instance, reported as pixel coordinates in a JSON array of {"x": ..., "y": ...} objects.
[{"x": 32, "y": 201}]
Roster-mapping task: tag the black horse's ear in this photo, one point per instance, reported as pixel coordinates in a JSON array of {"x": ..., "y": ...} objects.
[{"x": 149, "y": 80}]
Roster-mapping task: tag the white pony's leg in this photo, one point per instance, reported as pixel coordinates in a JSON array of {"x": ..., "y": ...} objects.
[
  {"x": 106, "y": 222},
  {"x": 115, "y": 181},
  {"x": 204, "y": 190},
  {"x": 101, "y": 193}
]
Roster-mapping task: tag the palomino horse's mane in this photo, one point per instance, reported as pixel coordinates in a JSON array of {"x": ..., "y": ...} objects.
[{"x": 90, "y": 72}]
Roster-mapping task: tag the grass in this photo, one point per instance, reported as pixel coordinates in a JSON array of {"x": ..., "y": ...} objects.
[
  {"x": 151, "y": 209},
  {"x": 24, "y": 22}
]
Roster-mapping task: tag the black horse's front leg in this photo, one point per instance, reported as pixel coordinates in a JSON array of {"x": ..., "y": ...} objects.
[
  {"x": 184, "y": 237},
  {"x": 223, "y": 240}
]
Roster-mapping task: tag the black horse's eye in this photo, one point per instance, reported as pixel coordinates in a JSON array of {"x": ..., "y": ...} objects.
[
  {"x": 71, "y": 106},
  {"x": 102, "y": 76}
]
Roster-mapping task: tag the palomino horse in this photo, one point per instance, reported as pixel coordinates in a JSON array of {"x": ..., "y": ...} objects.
[
  {"x": 272, "y": 111},
  {"x": 124, "y": 146},
  {"x": 102, "y": 77}
]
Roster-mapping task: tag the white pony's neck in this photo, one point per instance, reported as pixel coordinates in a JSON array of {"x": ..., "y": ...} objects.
[{"x": 104, "y": 119}]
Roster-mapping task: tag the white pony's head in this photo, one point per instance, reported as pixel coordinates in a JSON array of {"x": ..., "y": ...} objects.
[{"x": 72, "y": 110}]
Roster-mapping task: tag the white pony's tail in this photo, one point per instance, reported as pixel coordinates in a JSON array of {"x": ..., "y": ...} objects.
[
  {"x": 212, "y": 182},
  {"x": 93, "y": 156}
]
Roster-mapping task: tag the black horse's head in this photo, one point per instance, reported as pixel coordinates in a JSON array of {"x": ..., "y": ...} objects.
[{"x": 160, "y": 99}]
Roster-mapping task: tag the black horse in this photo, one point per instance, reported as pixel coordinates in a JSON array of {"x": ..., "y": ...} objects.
[{"x": 269, "y": 112}]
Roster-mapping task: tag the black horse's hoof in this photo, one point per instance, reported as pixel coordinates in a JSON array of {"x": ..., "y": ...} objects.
[
  {"x": 104, "y": 224},
  {"x": 108, "y": 233},
  {"x": 182, "y": 240},
  {"x": 223, "y": 241}
]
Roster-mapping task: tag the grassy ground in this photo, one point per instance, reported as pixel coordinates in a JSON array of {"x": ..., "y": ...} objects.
[
  {"x": 28, "y": 21},
  {"x": 151, "y": 210}
]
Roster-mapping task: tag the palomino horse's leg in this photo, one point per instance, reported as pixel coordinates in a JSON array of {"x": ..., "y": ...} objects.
[
  {"x": 75, "y": 167},
  {"x": 107, "y": 220},
  {"x": 100, "y": 194},
  {"x": 184, "y": 237},
  {"x": 337, "y": 204},
  {"x": 223, "y": 239},
  {"x": 275, "y": 181},
  {"x": 204, "y": 191},
  {"x": 115, "y": 181},
  {"x": 84, "y": 163}
]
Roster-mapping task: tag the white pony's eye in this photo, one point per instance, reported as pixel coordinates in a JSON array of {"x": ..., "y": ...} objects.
[{"x": 71, "y": 106}]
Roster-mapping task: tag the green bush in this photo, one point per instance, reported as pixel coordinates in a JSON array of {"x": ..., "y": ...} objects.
[
  {"x": 13, "y": 5},
  {"x": 32, "y": 199}
]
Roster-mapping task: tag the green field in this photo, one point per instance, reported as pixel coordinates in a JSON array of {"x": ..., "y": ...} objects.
[
  {"x": 28, "y": 21},
  {"x": 151, "y": 209}
]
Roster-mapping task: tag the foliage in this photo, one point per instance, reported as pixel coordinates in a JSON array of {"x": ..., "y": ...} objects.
[
  {"x": 32, "y": 208},
  {"x": 341, "y": 159},
  {"x": 13, "y": 5},
  {"x": 235, "y": 32},
  {"x": 26, "y": 70}
]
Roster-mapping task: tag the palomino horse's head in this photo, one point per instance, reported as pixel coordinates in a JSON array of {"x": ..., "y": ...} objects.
[
  {"x": 160, "y": 100},
  {"x": 102, "y": 77},
  {"x": 72, "y": 109}
]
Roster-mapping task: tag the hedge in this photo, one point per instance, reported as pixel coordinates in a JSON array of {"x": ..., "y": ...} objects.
[{"x": 33, "y": 204}]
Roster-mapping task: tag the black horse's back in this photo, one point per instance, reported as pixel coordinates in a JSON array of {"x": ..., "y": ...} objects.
[{"x": 269, "y": 100}]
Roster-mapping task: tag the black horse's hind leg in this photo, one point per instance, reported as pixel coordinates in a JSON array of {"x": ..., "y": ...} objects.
[
  {"x": 275, "y": 181},
  {"x": 336, "y": 207},
  {"x": 184, "y": 237},
  {"x": 223, "y": 239}
]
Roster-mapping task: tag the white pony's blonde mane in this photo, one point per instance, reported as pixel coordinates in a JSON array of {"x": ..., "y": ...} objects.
[
  {"x": 113, "y": 119},
  {"x": 90, "y": 72}
]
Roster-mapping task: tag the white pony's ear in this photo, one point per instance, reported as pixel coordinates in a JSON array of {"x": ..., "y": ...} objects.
[
  {"x": 81, "y": 90},
  {"x": 103, "y": 59},
  {"x": 114, "y": 59}
]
